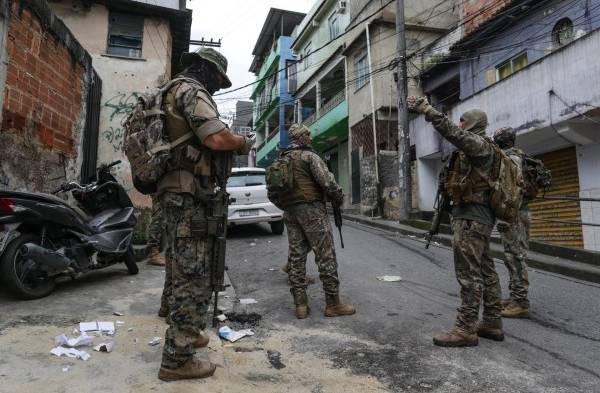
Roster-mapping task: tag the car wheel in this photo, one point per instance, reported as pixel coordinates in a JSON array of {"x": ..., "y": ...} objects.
[{"x": 277, "y": 227}]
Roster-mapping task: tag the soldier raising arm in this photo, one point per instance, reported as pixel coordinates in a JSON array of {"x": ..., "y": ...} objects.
[{"x": 472, "y": 223}]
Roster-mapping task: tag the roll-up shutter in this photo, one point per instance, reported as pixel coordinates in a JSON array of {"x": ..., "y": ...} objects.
[{"x": 565, "y": 181}]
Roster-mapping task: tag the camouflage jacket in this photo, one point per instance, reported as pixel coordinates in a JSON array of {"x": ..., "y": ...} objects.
[
  {"x": 189, "y": 107},
  {"x": 518, "y": 155},
  {"x": 478, "y": 152}
]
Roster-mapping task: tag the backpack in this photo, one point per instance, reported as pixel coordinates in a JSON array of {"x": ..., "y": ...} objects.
[
  {"x": 535, "y": 176},
  {"x": 506, "y": 186},
  {"x": 280, "y": 177},
  {"x": 145, "y": 142}
]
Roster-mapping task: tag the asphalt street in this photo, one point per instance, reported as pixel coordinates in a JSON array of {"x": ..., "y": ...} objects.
[
  {"x": 390, "y": 337},
  {"x": 386, "y": 347}
]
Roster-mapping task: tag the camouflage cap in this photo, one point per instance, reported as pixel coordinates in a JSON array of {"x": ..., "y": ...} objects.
[
  {"x": 298, "y": 130},
  {"x": 505, "y": 136},
  {"x": 210, "y": 55}
]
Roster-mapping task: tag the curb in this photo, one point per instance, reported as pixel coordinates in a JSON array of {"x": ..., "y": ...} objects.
[{"x": 545, "y": 262}]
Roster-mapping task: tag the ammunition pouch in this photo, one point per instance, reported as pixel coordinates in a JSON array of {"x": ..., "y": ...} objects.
[
  {"x": 198, "y": 228},
  {"x": 464, "y": 185}
]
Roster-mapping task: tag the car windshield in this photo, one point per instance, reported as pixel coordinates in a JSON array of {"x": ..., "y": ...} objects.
[{"x": 246, "y": 179}]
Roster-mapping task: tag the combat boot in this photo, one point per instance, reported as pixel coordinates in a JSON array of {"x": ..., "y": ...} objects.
[
  {"x": 336, "y": 309},
  {"x": 491, "y": 331},
  {"x": 505, "y": 302},
  {"x": 514, "y": 310},
  {"x": 456, "y": 338},
  {"x": 192, "y": 369},
  {"x": 301, "y": 302},
  {"x": 201, "y": 341},
  {"x": 155, "y": 257},
  {"x": 163, "y": 311}
]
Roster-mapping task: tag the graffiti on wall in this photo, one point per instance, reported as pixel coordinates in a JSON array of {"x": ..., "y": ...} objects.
[{"x": 118, "y": 107}]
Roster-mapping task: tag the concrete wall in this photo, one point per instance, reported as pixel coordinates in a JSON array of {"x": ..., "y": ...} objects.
[
  {"x": 532, "y": 34},
  {"x": 123, "y": 79},
  {"x": 44, "y": 106},
  {"x": 588, "y": 163},
  {"x": 286, "y": 99}
]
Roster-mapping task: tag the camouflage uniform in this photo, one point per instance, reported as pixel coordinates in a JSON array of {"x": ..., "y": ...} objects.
[
  {"x": 472, "y": 223},
  {"x": 155, "y": 229},
  {"x": 189, "y": 107},
  {"x": 515, "y": 240}
]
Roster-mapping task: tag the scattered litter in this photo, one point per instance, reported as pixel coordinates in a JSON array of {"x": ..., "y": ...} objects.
[
  {"x": 272, "y": 269},
  {"x": 130, "y": 330},
  {"x": 105, "y": 347},
  {"x": 275, "y": 359},
  {"x": 82, "y": 341},
  {"x": 154, "y": 342},
  {"x": 245, "y": 260},
  {"x": 118, "y": 314},
  {"x": 252, "y": 244},
  {"x": 269, "y": 241},
  {"x": 389, "y": 278},
  {"x": 425, "y": 385},
  {"x": 248, "y": 301},
  {"x": 253, "y": 349},
  {"x": 222, "y": 317},
  {"x": 65, "y": 369},
  {"x": 75, "y": 331},
  {"x": 411, "y": 236},
  {"x": 120, "y": 323},
  {"x": 222, "y": 293},
  {"x": 103, "y": 327},
  {"x": 252, "y": 319},
  {"x": 233, "y": 335},
  {"x": 222, "y": 308},
  {"x": 226, "y": 296},
  {"x": 70, "y": 352}
]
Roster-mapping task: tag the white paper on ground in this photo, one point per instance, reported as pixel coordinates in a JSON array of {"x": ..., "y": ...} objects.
[
  {"x": 70, "y": 352},
  {"x": 155, "y": 341},
  {"x": 233, "y": 335},
  {"x": 105, "y": 347},
  {"x": 221, "y": 317},
  {"x": 101, "y": 326},
  {"x": 389, "y": 278},
  {"x": 82, "y": 341},
  {"x": 248, "y": 301}
]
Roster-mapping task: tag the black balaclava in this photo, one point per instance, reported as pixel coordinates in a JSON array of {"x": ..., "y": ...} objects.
[{"x": 204, "y": 72}]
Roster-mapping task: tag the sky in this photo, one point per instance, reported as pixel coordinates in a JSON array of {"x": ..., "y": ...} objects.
[{"x": 238, "y": 24}]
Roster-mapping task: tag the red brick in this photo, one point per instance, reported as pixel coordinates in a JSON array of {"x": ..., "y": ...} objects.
[
  {"x": 45, "y": 135},
  {"x": 26, "y": 104}
]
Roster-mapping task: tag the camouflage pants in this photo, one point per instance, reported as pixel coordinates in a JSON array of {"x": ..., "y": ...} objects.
[
  {"x": 308, "y": 228},
  {"x": 515, "y": 239},
  {"x": 188, "y": 271},
  {"x": 476, "y": 274},
  {"x": 155, "y": 230}
]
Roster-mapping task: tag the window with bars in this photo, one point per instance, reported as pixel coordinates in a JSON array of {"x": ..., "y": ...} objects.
[
  {"x": 307, "y": 56},
  {"x": 511, "y": 66},
  {"x": 334, "y": 25},
  {"x": 361, "y": 66},
  {"x": 125, "y": 34}
]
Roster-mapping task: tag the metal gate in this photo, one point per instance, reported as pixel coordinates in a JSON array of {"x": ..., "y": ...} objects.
[
  {"x": 355, "y": 177},
  {"x": 90, "y": 135},
  {"x": 565, "y": 181}
]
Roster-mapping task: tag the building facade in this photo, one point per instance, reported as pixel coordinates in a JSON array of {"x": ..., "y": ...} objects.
[
  {"x": 47, "y": 99},
  {"x": 320, "y": 77},
  {"x": 273, "y": 110},
  {"x": 135, "y": 46},
  {"x": 242, "y": 125},
  {"x": 532, "y": 66}
]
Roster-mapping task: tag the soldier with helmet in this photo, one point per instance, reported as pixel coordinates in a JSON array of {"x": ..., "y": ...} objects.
[
  {"x": 515, "y": 238},
  {"x": 308, "y": 225},
  {"x": 197, "y": 166}
]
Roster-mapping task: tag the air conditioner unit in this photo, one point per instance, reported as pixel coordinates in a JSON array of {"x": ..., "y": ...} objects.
[{"x": 341, "y": 6}]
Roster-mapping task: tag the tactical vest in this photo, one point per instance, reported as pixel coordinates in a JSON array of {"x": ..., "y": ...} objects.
[
  {"x": 464, "y": 185},
  {"x": 192, "y": 156},
  {"x": 306, "y": 189}
]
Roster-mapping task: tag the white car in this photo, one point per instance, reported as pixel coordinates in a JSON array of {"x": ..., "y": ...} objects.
[{"x": 248, "y": 202}]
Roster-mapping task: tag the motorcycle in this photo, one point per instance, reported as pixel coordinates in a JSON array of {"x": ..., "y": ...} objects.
[{"x": 43, "y": 237}]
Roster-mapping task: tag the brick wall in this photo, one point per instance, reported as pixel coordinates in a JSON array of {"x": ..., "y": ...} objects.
[
  {"x": 45, "y": 91},
  {"x": 476, "y": 12}
]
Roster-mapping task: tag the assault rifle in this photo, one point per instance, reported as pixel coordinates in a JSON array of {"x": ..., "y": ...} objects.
[
  {"x": 337, "y": 218},
  {"x": 217, "y": 230},
  {"x": 442, "y": 204}
]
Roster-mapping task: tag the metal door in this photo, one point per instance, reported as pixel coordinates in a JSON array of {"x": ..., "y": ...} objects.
[
  {"x": 355, "y": 177},
  {"x": 92, "y": 122}
]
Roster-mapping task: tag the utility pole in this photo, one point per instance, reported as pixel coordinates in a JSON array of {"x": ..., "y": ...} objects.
[{"x": 404, "y": 182}]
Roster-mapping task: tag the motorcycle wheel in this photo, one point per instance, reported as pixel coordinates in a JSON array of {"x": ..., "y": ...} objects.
[
  {"x": 132, "y": 267},
  {"x": 19, "y": 276}
]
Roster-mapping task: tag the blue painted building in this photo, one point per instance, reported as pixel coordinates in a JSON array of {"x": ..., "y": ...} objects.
[
  {"x": 533, "y": 66},
  {"x": 273, "y": 110}
]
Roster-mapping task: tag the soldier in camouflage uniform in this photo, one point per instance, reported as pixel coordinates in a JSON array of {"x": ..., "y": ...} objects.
[
  {"x": 472, "y": 223},
  {"x": 189, "y": 108},
  {"x": 308, "y": 225},
  {"x": 515, "y": 239},
  {"x": 155, "y": 257}
]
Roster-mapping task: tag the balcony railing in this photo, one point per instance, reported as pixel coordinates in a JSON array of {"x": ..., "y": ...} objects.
[
  {"x": 310, "y": 119},
  {"x": 273, "y": 133},
  {"x": 332, "y": 103}
]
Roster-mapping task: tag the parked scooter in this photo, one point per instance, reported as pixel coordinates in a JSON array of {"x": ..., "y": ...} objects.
[{"x": 42, "y": 237}]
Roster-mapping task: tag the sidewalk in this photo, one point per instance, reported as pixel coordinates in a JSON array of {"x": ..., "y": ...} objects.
[{"x": 582, "y": 265}]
